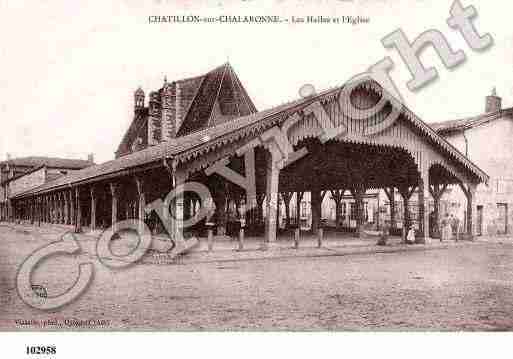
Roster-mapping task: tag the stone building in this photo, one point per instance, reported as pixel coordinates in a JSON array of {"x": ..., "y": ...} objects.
[
  {"x": 18, "y": 175},
  {"x": 486, "y": 140}
]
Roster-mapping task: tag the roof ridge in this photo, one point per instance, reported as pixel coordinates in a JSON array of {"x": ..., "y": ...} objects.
[{"x": 226, "y": 66}]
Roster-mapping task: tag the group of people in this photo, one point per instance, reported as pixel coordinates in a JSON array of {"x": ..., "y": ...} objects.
[{"x": 449, "y": 226}]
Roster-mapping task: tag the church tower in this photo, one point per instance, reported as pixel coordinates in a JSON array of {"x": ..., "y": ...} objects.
[{"x": 138, "y": 99}]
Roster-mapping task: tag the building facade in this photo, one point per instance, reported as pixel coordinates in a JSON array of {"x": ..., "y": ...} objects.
[
  {"x": 486, "y": 140},
  {"x": 19, "y": 175}
]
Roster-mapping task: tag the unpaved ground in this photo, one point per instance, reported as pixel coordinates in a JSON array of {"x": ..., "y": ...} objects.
[{"x": 460, "y": 288}]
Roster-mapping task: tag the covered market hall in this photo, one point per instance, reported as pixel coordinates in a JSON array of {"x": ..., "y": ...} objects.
[{"x": 318, "y": 144}]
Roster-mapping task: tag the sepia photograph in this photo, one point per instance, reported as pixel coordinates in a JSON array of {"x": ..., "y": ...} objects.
[{"x": 270, "y": 167}]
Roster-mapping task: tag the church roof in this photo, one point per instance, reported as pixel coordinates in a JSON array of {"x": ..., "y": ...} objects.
[{"x": 203, "y": 101}]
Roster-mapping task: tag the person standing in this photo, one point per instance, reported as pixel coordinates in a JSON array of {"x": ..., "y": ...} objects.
[{"x": 446, "y": 228}]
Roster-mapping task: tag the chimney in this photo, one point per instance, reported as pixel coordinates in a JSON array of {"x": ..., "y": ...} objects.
[
  {"x": 90, "y": 157},
  {"x": 493, "y": 102}
]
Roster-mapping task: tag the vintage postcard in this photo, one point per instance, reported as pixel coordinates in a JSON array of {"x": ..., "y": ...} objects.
[{"x": 255, "y": 166}]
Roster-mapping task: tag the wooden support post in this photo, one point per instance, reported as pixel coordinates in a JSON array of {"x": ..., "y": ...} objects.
[
  {"x": 39, "y": 211},
  {"x": 114, "y": 212},
  {"x": 72, "y": 208},
  {"x": 93, "y": 209},
  {"x": 78, "y": 210},
  {"x": 390, "y": 192},
  {"x": 469, "y": 190},
  {"x": 316, "y": 201},
  {"x": 320, "y": 237},
  {"x": 272, "y": 182},
  {"x": 406, "y": 192},
  {"x": 437, "y": 190},
  {"x": 141, "y": 202},
  {"x": 296, "y": 237},
  {"x": 66, "y": 208},
  {"x": 423, "y": 208},
  {"x": 358, "y": 191},
  {"x": 241, "y": 236},
  {"x": 470, "y": 211},
  {"x": 287, "y": 197},
  {"x": 260, "y": 207},
  {"x": 61, "y": 207},
  {"x": 221, "y": 201},
  {"x": 336, "y": 195},
  {"x": 299, "y": 198},
  {"x": 32, "y": 210}
]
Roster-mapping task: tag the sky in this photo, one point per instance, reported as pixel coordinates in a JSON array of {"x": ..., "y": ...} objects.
[{"x": 69, "y": 70}]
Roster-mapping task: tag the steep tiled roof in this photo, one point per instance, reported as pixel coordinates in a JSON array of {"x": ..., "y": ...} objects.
[
  {"x": 200, "y": 141},
  {"x": 34, "y": 161},
  {"x": 220, "y": 98},
  {"x": 445, "y": 127}
]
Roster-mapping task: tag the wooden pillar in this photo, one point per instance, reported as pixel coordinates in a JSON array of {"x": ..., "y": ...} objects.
[
  {"x": 186, "y": 206},
  {"x": 32, "y": 210},
  {"x": 406, "y": 192},
  {"x": 78, "y": 211},
  {"x": 299, "y": 198},
  {"x": 358, "y": 191},
  {"x": 390, "y": 192},
  {"x": 287, "y": 196},
  {"x": 66, "y": 207},
  {"x": 93, "y": 208},
  {"x": 423, "y": 208},
  {"x": 141, "y": 201},
  {"x": 221, "y": 201},
  {"x": 272, "y": 183},
  {"x": 55, "y": 211},
  {"x": 59, "y": 208},
  {"x": 60, "y": 204},
  {"x": 260, "y": 207},
  {"x": 316, "y": 202},
  {"x": 337, "y": 195},
  {"x": 469, "y": 190},
  {"x": 39, "y": 211},
  {"x": 50, "y": 209},
  {"x": 470, "y": 211},
  {"x": 72, "y": 207},
  {"x": 114, "y": 203},
  {"x": 437, "y": 190}
]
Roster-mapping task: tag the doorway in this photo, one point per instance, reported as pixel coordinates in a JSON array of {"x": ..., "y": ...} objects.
[{"x": 479, "y": 224}]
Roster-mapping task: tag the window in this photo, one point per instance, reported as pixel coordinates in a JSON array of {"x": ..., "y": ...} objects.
[{"x": 504, "y": 186}]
